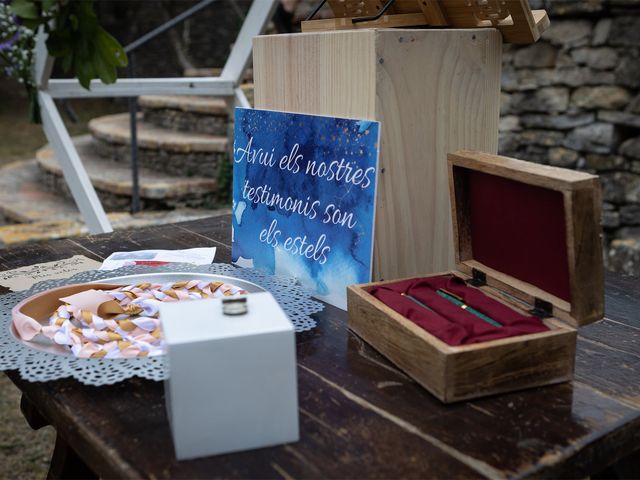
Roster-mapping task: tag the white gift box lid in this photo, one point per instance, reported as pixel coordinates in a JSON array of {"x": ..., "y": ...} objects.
[{"x": 185, "y": 322}]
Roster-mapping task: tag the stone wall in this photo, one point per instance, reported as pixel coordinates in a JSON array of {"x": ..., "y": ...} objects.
[{"x": 571, "y": 100}]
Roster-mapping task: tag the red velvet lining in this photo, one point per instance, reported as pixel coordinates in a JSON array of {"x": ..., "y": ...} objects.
[
  {"x": 520, "y": 230},
  {"x": 449, "y": 322}
]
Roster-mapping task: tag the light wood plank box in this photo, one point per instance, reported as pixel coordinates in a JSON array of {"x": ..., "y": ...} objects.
[
  {"x": 434, "y": 91},
  {"x": 454, "y": 373}
]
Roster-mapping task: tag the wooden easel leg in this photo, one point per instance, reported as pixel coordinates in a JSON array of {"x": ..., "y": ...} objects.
[{"x": 65, "y": 463}]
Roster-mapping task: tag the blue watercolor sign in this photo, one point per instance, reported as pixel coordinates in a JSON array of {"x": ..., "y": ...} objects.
[{"x": 304, "y": 190}]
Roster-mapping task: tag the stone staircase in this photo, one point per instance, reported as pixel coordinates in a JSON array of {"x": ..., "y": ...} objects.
[{"x": 182, "y": 152}]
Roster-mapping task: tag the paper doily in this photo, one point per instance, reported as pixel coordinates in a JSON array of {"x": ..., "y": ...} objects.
[{"x": 39, "y": 366}]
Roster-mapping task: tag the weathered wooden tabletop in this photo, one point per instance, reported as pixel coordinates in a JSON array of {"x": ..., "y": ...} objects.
[{"x": 360, "y": 416}]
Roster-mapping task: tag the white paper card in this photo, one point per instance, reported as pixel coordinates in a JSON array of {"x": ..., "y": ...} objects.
[
  {"x": 24, "y": 277},
  {"x": 196, "y": 256}
]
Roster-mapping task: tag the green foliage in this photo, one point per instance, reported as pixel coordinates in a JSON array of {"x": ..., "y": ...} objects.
[
  {"x": 24, "y": 9},
  {"x": 74, "y": 36},
  {"x": 16, "y": 55}
]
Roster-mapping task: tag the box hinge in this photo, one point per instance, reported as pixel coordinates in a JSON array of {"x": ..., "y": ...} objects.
[
  {"x": 541, "y": 308},
  {"x": 478, "y": 279}
]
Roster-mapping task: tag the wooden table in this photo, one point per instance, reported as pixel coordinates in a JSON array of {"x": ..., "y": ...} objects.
[{"x": 359, "y": 416}]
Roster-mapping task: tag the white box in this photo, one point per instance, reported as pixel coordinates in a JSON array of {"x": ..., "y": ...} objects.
[{"x": 232, "y": 382}]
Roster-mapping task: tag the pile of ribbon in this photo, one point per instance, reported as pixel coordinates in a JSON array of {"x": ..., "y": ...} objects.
[{"x": 110, "y": 321}]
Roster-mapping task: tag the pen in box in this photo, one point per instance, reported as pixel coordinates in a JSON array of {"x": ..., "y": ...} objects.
[
  {"x": 415, "y": 300},
  {"x": 458, "y": 301}
]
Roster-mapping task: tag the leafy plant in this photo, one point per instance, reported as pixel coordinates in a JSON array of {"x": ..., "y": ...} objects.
[
  {"x": 74, "y": 36},
  {"x": 16, "y": 54}
]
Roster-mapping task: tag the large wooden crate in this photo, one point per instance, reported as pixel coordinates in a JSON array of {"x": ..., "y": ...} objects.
[{"x": 434, "y": 91}]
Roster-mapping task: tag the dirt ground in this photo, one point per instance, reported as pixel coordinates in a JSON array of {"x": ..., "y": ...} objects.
[
  {"x": 20, "y": 139},
  {"x": 24, "y": 453}
]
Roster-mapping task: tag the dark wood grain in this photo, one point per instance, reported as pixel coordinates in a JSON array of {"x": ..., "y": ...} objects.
[
  {"x": 359, "y": 415},
  {"x": 67, "y": 464}
]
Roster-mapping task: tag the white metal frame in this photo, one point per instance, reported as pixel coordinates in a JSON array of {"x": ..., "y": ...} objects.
[{"x": 227, "y": 85}]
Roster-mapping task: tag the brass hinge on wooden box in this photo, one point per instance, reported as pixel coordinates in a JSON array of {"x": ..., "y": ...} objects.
[
  {"x": 541, "y": 308},
  {"x": 478, "y": 278}
]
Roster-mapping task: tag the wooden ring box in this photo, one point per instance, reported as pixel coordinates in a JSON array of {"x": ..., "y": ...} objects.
[{"x": 527, "y": 235}]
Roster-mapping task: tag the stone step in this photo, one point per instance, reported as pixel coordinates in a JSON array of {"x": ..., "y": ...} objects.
[
  {"x": 187, "y": 113},
  {"x": 215, "y": 72},
  {"x": 112, "y": 181},
  {"x": 23, "y": 198},
  {"x": 177, "y": 153},
  {"x": 37, "y": 214},
  {"x": 11, "y": 235},
  {"x": 115, "y": 129},
  {"x": 186, "y": 103}
]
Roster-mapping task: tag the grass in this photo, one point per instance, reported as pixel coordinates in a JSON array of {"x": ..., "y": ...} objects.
[
  {"x": 24, "y": 453},
  {"x": 20, "y": 139}
]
